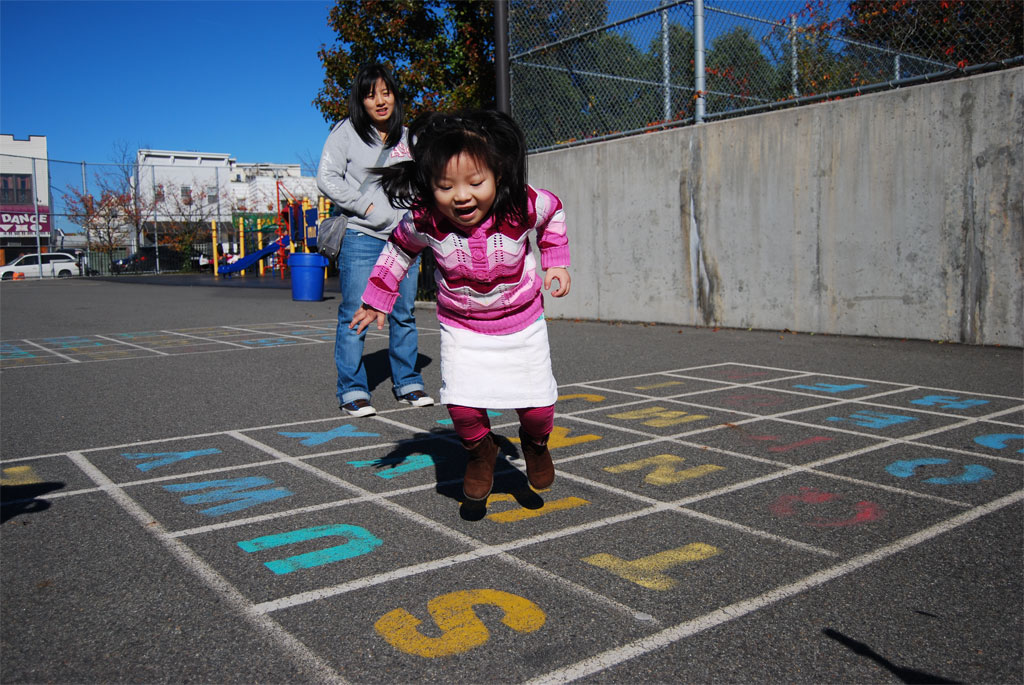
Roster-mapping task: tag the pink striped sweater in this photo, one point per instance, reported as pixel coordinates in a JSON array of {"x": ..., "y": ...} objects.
[{"x": 487, "y": 279}]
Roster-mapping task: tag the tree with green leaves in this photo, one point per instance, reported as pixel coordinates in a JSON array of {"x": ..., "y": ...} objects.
[
  {"x": 441, "y": 51},
  {"x": 546, "y": 100},
  {"x": 681, "y": 75},
  {"x": 738, "y": 73}
]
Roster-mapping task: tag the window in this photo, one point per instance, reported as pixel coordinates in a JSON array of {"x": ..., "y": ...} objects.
[
  {"x": 211, "y": 195},
  {"x": 186, "y": 194},
  {"x": 16, "y": 189},
  {"x": 158, "y": 193}
]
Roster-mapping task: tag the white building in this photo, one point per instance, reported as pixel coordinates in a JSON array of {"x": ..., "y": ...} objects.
[
  {"x": 200, "y": 187},
  {"x": 259, "y": 187},
  {"x": 182, "y": 185},
  {"x": 24, "y": 197}
]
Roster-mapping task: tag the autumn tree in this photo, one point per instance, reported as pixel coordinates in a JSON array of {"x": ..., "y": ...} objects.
[
  {"x": 738, "y": 73},
  {"x": 104, "y": 218},
  {"x": 185, "y": 213},
  {"x": 442, "y": 52},
  {"x": 958, "y": 32},
  {"x": 114, "y": 216}
]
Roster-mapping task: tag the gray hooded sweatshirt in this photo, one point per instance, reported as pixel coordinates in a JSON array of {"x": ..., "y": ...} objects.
[{"x": 344, "y": 165}]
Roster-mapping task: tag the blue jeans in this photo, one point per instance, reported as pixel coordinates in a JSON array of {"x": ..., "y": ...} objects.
[{"x": 359, "y": 253}]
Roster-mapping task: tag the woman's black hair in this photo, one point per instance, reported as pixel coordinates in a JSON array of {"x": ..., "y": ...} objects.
[
  {"x": 490, "y": 137},
  {"x": 362, "y": 86}
]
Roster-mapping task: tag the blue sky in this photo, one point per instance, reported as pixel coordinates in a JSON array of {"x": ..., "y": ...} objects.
[
  {"x": 214, "y": 76},
  {"x": 228, "y": 76}
]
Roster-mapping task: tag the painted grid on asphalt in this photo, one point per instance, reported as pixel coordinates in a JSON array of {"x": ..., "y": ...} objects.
[
  {"x": 76, "y": 349},
  {"x": 684, "y": 499}
]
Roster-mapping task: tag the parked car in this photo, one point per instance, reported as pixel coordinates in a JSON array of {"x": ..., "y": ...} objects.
[
  {"x": 144, "y": 260},
  {"x": 49, "y": 264}
]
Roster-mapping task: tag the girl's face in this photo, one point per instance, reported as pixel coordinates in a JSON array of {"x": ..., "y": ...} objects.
[
  {"x": 465, "y": 190},
  {"x": 379, "y": 103}
]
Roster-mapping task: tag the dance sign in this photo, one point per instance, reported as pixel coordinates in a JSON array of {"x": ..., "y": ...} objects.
[{"x": 24, "y": 220}]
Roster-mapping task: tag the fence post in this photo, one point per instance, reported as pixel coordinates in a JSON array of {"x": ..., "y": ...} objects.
[
  {"x": 88, "y": 237},
  {"x": 501, "y": 68},
  {"x": 666, "y": 64},
  {"x": 793, "y": 71},
  {"x": 35, "y": 209},
  {"x": 156, "y": 221},
  {"x": 698, "y": 59}
]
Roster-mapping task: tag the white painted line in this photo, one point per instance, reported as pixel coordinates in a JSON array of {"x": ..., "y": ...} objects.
[
  {"x": 276, "y": 516},
  {"x": 677, "y": 507},
  {"x": 138, "y": 347},
  {"x": 275, "y": 334},
  {"x": 637, "y": 648},
  {"x": 53, "y": 352},
  {"x": 208, "y": 340},
  {"x": 269, "y": 628},
  {"x": 52, "y": 495},
  {"x": 479, "y": 552},
  {"x": 196, "y": 474},
  {"x": 443, "y": 530}
]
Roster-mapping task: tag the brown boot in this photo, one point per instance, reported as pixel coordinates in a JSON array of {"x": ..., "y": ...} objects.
[
  {"x": 539, "y": 469},
  {"x": 479, "y": 478}
]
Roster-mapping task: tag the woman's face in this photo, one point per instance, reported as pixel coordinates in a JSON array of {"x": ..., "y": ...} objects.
[{"x": 379, "y": 103}]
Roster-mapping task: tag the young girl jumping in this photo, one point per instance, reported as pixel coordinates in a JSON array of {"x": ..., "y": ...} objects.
[{"x": 466, "y": 185}]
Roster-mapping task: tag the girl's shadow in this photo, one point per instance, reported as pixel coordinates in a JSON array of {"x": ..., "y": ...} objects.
[
  {"x": 508, "y": 480},
  {"x": 442, "y": 447}
]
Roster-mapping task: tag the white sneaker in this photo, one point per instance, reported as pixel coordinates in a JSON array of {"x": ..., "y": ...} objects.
[
  {"x": 417, "y": 398},
  {"x": 360, "y": 407}
]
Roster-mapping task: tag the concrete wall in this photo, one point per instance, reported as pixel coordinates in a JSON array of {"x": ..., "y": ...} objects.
[{"x": 897, "y": 214}]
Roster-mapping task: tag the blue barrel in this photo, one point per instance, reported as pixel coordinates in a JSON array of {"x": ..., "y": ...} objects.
[{"x": 307, "y": 271}]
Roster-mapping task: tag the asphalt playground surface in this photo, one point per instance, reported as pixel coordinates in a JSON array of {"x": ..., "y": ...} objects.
[{"x": 184, "y": 502}]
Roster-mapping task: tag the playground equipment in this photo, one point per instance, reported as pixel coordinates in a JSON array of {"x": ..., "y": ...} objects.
[
  {"x": 295, "y": 230},
  {"x": 246, "y": 261}
]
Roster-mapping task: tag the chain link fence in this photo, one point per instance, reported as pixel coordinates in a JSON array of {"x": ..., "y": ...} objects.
[
  {"x": 93, "y": 210},
  {"x": 587, "y": 70},
  {"x": 177, "y": 208}
]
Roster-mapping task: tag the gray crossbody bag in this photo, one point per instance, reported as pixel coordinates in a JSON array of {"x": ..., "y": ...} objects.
[{"x": 331, "y": 231}]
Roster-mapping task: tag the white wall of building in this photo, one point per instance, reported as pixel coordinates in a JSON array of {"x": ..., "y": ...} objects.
[
  {"x": 24, "y": 225},
  {"x": 203, "y": 176},
  {"x": 17, "y": 156}
]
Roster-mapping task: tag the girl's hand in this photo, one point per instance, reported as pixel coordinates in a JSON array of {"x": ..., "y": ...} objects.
[
  {"x": 561, "y": 274},
  {"x": 366, "y": 315}
]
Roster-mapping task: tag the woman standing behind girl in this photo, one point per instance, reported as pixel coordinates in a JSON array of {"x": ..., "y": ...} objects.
[
  {"x": 466, "y": 185},
  {"x": 371, "y": 136}
]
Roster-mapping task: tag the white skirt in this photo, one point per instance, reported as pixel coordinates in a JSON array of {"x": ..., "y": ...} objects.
[{"x": 497, "y": 371}]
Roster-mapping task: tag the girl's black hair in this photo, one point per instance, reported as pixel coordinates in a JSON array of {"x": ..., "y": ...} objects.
[
  {"x": 490, "y": 137},
  {"x": 363, "y": 85}
]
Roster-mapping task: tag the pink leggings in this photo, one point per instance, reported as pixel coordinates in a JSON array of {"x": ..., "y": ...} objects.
[{"x": 472, "y": 424}]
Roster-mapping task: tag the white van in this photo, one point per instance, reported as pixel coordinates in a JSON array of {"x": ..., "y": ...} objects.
[{"x": 49, "y": 264}]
